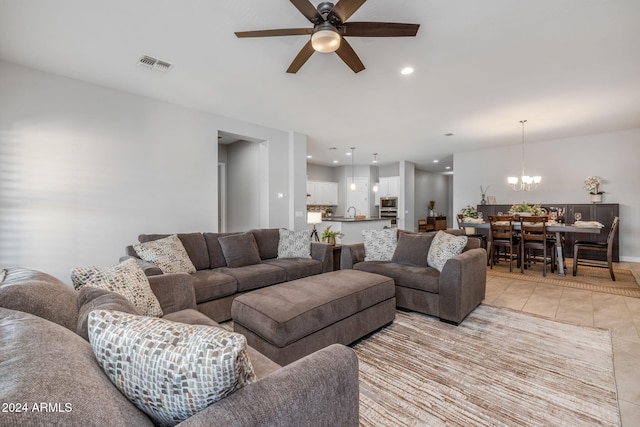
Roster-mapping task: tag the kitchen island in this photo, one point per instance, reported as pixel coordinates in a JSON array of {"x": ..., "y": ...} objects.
[{"x": 352, "y": 228}]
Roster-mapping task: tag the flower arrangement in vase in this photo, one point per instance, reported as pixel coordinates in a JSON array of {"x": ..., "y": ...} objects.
[
  {"x": 526, "y": 209},
  {"x": 592, "y": 184},
  {"x": 432, "y": 207}
]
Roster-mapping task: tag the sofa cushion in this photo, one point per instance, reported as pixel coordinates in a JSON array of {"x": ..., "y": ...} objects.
[
  {"x": 408, "y": 276},
  {"x": 91, "y": 298},
  {"x": 255, "y": 276},
  {"x": 412, "y": 248},
  {"x": 126, "y": 278},
  {"x": 211, "y": 284},
  {"x": 39, "y": 294},
  {"x": 443, "y": 247},
  {"x": 41, "y": 361},
  {"x": 182, "y": 369},
  {"x": 240, "y": 250},
  {"x": 296, "y": 268},
  {"x": 294, "y": 244},
  {"x": 379, "y": 245},
  {"x": 167, "y": 253},
  {"x": 267, "y": 240},
  {"x": 216, "y": 257}
]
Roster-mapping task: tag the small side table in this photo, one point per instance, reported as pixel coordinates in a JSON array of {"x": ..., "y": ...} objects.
[
  {"x": 337, "y": 253},
  {"x": 438, "y": 222}
]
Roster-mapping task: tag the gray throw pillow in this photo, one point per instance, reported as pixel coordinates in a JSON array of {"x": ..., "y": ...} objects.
[
  {"x": 379, "y": 245},
  {"x": 412, "y": 249},
  {"x": 182, "y": 370},
  {"x": 240, "y": 249},
  {"x": 294, "y": 244},
  {"x": 91, "y": 298},
  {"x": 443, "y": 247}
]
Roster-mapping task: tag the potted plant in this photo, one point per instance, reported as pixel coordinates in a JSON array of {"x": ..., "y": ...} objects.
[
  {"x": 329, "y": 236},
  {"x": 592, "y": 184},
  {"x": 469, "y": 212}
]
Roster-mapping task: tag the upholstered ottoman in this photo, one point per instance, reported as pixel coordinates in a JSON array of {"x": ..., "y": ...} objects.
[{"x": 291, "y": 320}]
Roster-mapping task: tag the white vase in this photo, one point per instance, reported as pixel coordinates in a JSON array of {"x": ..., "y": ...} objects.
[{"x": 596, "y": 198}]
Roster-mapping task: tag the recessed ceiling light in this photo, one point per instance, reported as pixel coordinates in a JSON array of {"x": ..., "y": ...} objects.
[
  {"x": 448, "y": 134},
  {"x": 309, "y": 156},
  {"x": 436, "y": 161},
  {"x": 348, "y": 153},
  {"x": 448, "y": 167},
  {"x": 335, "y": 161},
  {"x": 406, "y": 71}
]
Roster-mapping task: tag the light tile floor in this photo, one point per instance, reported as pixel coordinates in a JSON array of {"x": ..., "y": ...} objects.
[{"x": 619, "y": 314}]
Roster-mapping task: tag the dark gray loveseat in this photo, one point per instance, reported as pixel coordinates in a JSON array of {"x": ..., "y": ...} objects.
[
  {"x": 216, "y": 283},
  {"x": 450, "y": 295},
  {"x": 50, "y": 375}
]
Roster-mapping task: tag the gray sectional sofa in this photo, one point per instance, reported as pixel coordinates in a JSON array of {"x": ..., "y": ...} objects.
[
  {"x": 50, "y": 375},
  {"x": 450, "y": 295},
  {"x": 216, "y": 283}
]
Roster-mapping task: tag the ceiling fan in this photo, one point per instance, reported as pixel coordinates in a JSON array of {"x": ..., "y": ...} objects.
[{"x": 330, "y": 29}]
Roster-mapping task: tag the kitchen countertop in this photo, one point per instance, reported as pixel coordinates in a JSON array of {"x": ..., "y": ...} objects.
[{"x": 343, "y": 219}]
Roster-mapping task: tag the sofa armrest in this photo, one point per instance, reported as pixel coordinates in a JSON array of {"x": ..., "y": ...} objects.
[
  {"x": 462, "y": 284},
  {"x": 318, "y": 390},
  {"x": 351, "y": 255},
  {"x": 323, "y": 252},
  {"x": 174, "y": 291},
  {"x": 149, "y": 268}
]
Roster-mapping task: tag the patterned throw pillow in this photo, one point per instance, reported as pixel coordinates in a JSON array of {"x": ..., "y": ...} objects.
[
  {"x": 169, "y": 370},
  {"x": 126, "y": 279},
  {"x": 294, "y": 244},
  {"x": 167, "y": 253},
  {"x": 443, "y": 247},
  {"x": 379, "y": 245}
]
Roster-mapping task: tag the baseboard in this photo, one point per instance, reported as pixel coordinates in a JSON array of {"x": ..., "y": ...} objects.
[{"x": 629, "y": 259}]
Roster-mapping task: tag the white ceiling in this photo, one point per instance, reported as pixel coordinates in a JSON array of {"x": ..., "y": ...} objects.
[{"x": 570, "y": 67}]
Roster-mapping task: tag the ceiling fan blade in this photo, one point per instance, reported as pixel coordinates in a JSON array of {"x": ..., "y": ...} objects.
[
  {"x": 345, "y": 8},
  {"x": 307, "y": 9},
  {"x": 379, "y": 29},
  {"x": 304, "y": 54},
  {"x": 275, "y": 33},
  {"x": 349, "y": 56}
]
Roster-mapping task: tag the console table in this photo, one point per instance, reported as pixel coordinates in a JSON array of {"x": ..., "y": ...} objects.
[{"x": 438, "y": 222}]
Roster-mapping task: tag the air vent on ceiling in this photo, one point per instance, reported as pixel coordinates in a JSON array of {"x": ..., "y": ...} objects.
[{"x": 155, "y": 63}]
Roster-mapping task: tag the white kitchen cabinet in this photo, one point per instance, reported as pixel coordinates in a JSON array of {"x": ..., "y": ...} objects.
[
  {"x": 322, "y": 193},
  {"x": 389, "y": 186}
]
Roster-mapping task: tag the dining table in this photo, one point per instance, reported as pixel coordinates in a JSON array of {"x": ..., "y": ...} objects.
[{"x": 555, "y": 227}]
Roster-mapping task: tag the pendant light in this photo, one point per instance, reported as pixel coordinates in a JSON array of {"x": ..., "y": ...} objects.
[
  {"x": 353, "y": 180},
  {"x": 526, "y": 182}
]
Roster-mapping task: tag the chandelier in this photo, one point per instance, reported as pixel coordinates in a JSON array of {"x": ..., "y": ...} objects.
[{"x": 526, "y": 182}]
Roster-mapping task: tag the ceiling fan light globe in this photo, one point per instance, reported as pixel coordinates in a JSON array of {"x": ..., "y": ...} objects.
[{"x": 325, "y": 41}]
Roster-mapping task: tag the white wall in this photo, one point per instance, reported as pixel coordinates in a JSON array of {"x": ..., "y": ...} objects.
[
  {"x": 563, "y": 165},
  {"x": 243, "y": 186},
  {"x": 84, "y": 169}
]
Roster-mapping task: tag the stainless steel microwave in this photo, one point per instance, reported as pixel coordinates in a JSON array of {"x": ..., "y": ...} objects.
[{"x": 388, "y": 202}]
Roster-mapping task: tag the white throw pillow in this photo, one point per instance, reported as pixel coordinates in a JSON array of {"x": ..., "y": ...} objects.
[
  {"x": 167, "y": 253},
  {"x": 294, "y": 244},
  {"x": 443, "y": 247},
  {"x": 169, "y": 370},
  {"x": 126, "y": 279},
  {"x": 379, "y": 245}
]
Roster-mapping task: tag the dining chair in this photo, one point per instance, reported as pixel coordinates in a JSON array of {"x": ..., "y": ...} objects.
[
  {"x": 502, "y": 235},
  {"x": 583, "y": 245},
  {"x": 483, "y": 237},
  {"x": 534, "y": 237}
]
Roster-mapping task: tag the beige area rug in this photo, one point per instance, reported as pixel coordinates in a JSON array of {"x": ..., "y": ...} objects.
[
  {"x": 587, "y": 278},
  {"x": 498, "y": 368}
]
